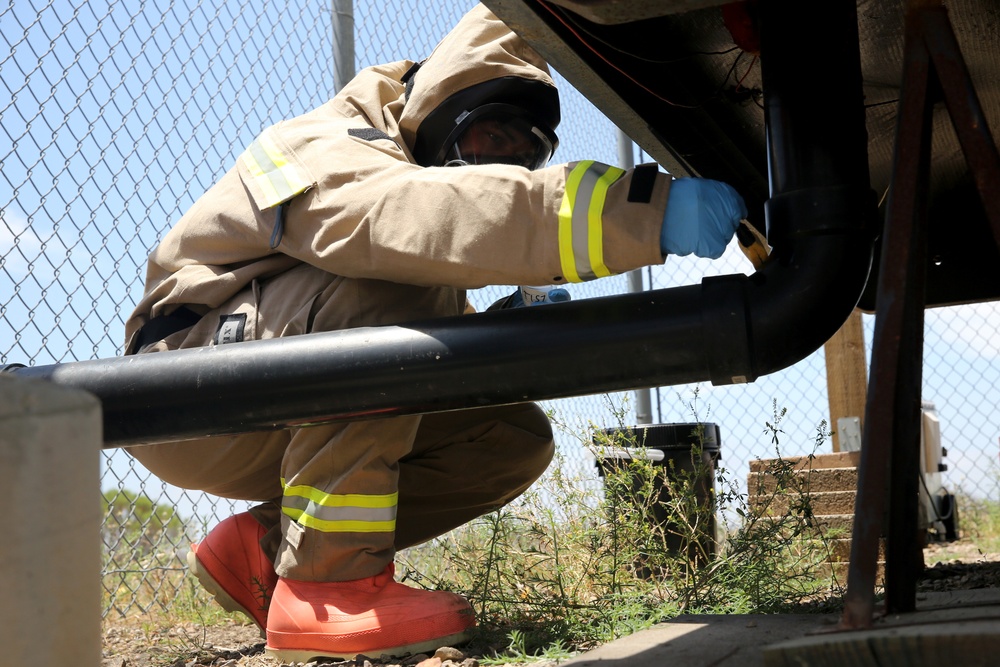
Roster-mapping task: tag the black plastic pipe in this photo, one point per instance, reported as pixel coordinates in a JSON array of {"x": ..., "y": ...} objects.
[
  {"x": 729, "y": 329},
  {"x": 821, "y": 215}
]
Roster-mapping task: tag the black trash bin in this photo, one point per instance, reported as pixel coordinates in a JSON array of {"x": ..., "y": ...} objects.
[{"x": 689, "y": 449}]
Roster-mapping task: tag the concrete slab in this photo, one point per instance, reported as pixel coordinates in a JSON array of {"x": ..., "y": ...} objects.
[
  {"x": 965, "y": 624},
  {"x": 703, "y": 640},
  {"x": 952, "y": 628}
]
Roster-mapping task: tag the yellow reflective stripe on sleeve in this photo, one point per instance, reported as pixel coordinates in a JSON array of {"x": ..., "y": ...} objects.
[
  {"x": 595, "y": 230},
  {"x": 278, "y": 178},
  {"x": 345, "y": 512},
  {"x": 566, "y": 222},
  {"x": 581, "y": 226}
]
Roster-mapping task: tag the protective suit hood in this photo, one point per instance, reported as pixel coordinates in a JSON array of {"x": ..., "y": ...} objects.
[{"x": 480, "y": 61}]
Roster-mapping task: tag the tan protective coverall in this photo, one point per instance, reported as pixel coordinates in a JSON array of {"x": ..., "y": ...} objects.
[{"x": 371, "y": 238}]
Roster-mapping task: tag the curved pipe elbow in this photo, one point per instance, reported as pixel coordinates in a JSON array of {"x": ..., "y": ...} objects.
[{"x": 770, "y": 320}]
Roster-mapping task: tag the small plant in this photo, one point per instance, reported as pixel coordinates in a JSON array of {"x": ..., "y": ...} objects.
[
  {"x": 777, "y": 554},
  {"x": 517, "y": 651}
]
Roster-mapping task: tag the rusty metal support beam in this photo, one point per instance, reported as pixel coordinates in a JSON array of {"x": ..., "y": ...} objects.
[
  {"x": 933, "y": 66},
  {"x": 965, "y": 110}
]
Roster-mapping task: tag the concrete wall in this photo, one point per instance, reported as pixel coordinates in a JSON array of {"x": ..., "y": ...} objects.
[{"x": 50, "y": 559}]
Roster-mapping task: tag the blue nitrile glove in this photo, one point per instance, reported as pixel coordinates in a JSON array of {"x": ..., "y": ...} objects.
[
  {"x": 532, "y": 296},
  {"x": 701, "y": 218}
]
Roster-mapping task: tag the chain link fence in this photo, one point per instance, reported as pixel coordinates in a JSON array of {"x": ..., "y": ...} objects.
[{"x": 120, "y": 114}]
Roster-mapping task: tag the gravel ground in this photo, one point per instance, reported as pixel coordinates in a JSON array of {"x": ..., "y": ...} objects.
[
  {"x": 959, "y": 566},
  {"x": 140, "y": 643},
  {"x": 234, "y": 645}
]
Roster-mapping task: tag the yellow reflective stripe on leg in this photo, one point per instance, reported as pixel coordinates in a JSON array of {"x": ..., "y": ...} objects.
[
  {"x": 345, "y": 512},
  {"x": 278, "y": 178},
  {"x": 322, "y": 525},
  {"x": 581, "y": 227},
  {"x": 340, "y": 499}
]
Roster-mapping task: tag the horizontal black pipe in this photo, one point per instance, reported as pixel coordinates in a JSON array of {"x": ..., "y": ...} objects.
[
  {"x": 728, "y": 329},
  {"x": 485, "y": 359}
]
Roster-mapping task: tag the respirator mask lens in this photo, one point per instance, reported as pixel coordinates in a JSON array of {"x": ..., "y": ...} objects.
[{"x": 501, "y": 138}]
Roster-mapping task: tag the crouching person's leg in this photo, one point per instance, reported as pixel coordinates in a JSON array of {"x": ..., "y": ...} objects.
[
  {"x": 467, "y": 463},
  {"x": 336, "y": 595},
  {"x": 356, "y": 492}
]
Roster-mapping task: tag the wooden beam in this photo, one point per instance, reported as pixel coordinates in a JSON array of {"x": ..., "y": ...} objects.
[{"x": 846, "y": 373}]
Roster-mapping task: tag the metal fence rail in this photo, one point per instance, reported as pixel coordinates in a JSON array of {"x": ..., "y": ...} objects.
[{"x": 118, "y": 115}]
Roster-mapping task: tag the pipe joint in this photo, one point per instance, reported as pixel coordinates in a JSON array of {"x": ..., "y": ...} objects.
[
  {"x": 726, "y": 327},
  {"x": 819, "y": 211}
]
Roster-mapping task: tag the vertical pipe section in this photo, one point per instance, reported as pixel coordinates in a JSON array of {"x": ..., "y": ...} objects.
[
  {"x": 813, "y": 96},
  {"x": 817, "y": 141},
  {"x": 626, "y": 160},
  {"x": 343, "y": 42},
  {"x": 817, "y": 164}
]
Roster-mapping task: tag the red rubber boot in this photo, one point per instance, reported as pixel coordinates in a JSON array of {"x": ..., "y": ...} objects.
[
  {"x": 373, "y": 616},
  {"x": 230, "y": 565}
]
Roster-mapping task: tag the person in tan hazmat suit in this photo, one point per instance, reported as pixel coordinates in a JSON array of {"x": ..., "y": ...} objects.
[{"x": 355, "y": 214}]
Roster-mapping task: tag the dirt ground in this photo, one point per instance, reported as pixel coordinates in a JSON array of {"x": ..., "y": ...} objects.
[
  {"x": 140, "y": 643},
  {"x": 231, "y": 644}
]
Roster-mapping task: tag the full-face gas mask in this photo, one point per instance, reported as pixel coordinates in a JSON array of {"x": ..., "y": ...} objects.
[{"x": 503, "y": 121}]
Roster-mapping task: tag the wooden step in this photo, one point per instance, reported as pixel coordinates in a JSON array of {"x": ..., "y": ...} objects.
[
  {"x": 815, "y": 461},
  {"x": 828, "y": 482},
  {"x": 835, "y": 524},
  {"x": 821, "y": 503},
  {"x": 812, "y": 479}
]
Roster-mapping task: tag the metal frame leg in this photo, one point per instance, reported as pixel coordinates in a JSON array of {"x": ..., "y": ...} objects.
[{"x": 890, "y": 453}]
